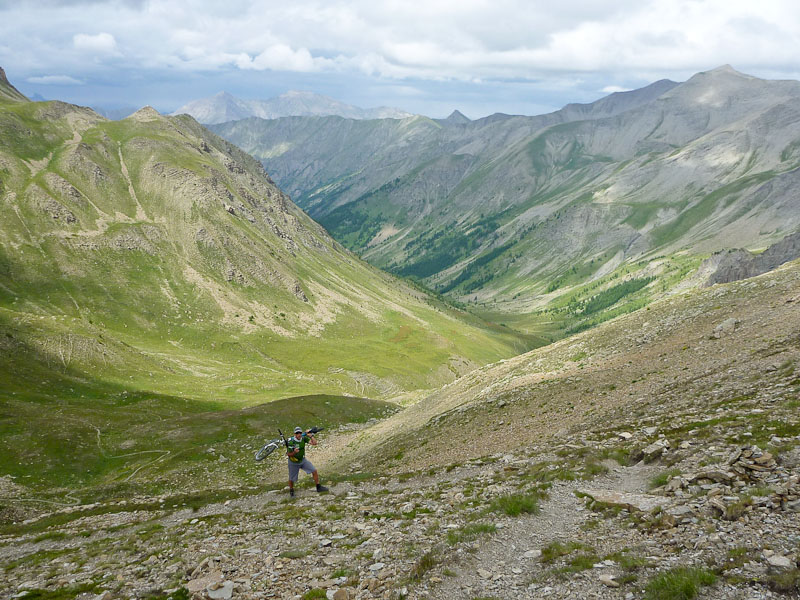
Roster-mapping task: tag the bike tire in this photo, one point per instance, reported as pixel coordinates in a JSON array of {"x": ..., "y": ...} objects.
[{"x": 266, "y": 451}]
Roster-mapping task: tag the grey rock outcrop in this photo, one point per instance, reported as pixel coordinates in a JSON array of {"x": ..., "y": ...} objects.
[{"x": 734, "y": 265}]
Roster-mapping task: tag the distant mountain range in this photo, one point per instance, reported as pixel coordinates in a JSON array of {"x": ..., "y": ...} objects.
[
  {"x": 526, "y": 208},
  {"x": 115, "y": 113},
  {"x": 225, "y": 107}
]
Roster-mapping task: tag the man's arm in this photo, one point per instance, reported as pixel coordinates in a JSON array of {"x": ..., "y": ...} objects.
[{"x": 312, "y": 439}]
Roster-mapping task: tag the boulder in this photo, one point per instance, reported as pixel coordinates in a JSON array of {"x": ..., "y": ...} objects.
[
  {"x": 727, "y": 327},
  {"x": 223, "y": 592}
]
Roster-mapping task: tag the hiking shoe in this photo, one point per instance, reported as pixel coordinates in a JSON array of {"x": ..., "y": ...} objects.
[
  {"x": 291, "y": 493},
  {"x": 321, "y": 488}
]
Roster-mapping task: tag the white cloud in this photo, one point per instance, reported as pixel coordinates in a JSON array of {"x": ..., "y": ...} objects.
[
  {"x": 612, "y": 89},
  {"x": 55, "y": 80},
  {"x": 438, "y": 39},
  {"x": 281, "y": 57},
  {"x": 565, "y": 47},
  {"x": 102, "y": 43}
]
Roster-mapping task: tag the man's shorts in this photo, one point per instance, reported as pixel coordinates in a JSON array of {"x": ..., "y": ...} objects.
[{"x": 294, "y": 468}]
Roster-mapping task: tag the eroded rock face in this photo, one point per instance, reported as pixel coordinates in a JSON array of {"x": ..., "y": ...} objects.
[{"x": 733, "y": 265}]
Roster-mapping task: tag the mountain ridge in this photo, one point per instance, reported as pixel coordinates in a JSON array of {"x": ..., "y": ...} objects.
[
  {"x": 225, "y": 107},
  {"x": 476, "y": 210},
  {"x": 161, "y": 250}
]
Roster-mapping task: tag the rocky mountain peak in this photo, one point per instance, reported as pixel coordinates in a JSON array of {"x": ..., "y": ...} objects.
[
  {"x": 726, "y": 70},
  {"x": 458, "y": 117},
  {"x": 725, "y": 75},
  {"x": 297, "y": 94},
  {"x": 8, "y": 91},
  {"x": 146, "y": 113}
]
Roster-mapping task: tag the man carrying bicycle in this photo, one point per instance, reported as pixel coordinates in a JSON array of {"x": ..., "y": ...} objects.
[{"x": 296, "y": 452}]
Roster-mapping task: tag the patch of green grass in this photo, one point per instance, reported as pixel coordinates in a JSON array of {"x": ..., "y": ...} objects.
[
  {"x": 625, "y": 560},
  {"x": 737, "y": 557},
  {"x": 342, "y": 572},
  {"x": 424, "y": 563},
  {"x": 66, "y": 593},
  {"x": 516, "y": 504},
  {"x": 592, "y": 468},
  {"x": 556, "y": 549},
  {"x": 662, "y": 478},
  {"x": 785, "y": 582},
  {"x": 179, "y": 594},
  {"x": 469, "y": 532},
  {"x": 294, "y": 553},
  {"x": 546, "y": 472},
  {"x": 314, "y": 594},
  {"x": 680, "y": 583},
  {"x": 620, "y": 455},
  {"x": 578, "y": 563},
  {"x": 50, "y": 535}
]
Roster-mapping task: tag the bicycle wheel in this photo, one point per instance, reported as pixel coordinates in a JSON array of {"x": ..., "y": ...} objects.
[{"x": 266, "y": 450}]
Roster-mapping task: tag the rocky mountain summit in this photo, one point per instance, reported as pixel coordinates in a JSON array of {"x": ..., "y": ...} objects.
[
  {"x": 7, "y": 91},
  {"x": 224, "y": 107},
  {"x": 647, "y": 455}
]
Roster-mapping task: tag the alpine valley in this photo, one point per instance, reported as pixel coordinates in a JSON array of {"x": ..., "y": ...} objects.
[
  {"x": 519, "y": 213},
  {"x": 585, "y": 385},
  {"x": 149, "y": 269}
]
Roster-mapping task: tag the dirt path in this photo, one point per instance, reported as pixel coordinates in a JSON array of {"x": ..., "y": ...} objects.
[{"x": 501, "y": 567}]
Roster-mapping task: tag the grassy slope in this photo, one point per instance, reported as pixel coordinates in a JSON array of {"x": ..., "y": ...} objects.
[
  {"x": 651, "y": 363},
  {"x": 130, "y": 302}
]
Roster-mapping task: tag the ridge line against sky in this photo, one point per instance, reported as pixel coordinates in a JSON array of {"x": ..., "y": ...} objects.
[{"x": 478, "y": 56}]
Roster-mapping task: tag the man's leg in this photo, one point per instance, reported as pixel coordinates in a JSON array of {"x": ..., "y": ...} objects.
[
  {"x": 320, "y": 488},
  {"x": 294, "y": 470}
]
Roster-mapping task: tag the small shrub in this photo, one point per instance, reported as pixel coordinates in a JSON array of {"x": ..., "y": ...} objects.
[
  {"x": 424, "y": 564},
  {"x": 680, "y": 583},
  {"x": 515, "y": 504},
  {"x": 314, "y": 593}
]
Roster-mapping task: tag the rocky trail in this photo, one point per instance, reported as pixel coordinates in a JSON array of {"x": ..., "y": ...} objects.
[
  {"x": 557, "y": 521},
  {"x": 503, "y": 565}
]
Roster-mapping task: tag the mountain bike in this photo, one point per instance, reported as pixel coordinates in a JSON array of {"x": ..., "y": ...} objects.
[{"x": 276, "y": 443}]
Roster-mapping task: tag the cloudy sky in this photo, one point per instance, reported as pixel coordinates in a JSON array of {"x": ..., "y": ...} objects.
[{"x": 429, "y": 56}]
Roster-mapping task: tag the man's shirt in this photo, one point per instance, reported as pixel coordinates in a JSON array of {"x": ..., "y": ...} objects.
[{"x": 301, "y": 445}]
